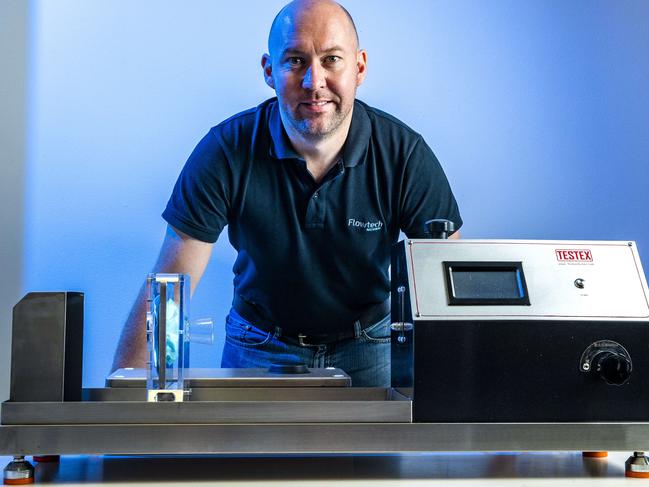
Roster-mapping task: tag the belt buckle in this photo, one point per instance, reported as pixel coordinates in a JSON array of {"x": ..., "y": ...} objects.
[{"x": 301, "y": 340}]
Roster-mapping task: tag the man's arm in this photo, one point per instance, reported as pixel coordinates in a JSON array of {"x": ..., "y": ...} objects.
[{"x": 181, "y": 254}]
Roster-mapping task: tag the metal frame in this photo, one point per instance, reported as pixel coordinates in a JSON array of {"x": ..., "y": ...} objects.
[
  {"x": 283, "y": 438},
  {"x": 279, "y": 420}
]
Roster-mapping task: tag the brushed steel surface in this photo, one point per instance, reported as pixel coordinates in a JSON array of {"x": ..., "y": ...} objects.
[
  {"x": 255, "y": 394},
  {"x": 321, "y": 438},
  {"x": 615, "y": 286},
  {"x": 199, "y": 412},
  {"x": 197, "y": 378}
]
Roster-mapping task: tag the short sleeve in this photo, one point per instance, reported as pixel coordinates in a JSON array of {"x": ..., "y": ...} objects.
[
  {"x": 426, "y": 193},
  {"x": 200, "y": 202}
]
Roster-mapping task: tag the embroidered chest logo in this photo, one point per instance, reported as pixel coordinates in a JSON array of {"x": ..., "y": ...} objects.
[{"x": 367, "y": 226}]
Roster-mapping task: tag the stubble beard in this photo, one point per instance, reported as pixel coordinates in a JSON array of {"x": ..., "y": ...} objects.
[{"x": 314, "y": 128}]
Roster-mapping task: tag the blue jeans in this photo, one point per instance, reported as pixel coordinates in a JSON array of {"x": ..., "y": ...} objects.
[{"x": 366, "y": 357}]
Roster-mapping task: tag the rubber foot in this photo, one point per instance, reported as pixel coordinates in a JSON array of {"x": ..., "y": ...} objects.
[
  {"x": 18, "y": 481},
  {"x": 637, "y": 475},
  {"x": 47, "y": 458},
  {"x": 18, "y": 472},
  {"x": 594, "y": 454}
]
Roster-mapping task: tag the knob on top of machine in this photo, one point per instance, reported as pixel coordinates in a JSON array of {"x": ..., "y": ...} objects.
[{"x": 439, "y": 228}]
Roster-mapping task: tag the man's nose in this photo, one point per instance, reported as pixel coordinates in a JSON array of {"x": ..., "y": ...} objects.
[{"x": 314, "y": 77}]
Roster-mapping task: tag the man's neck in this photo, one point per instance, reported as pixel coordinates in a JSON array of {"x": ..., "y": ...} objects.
[{"x": 320, "y": 154}]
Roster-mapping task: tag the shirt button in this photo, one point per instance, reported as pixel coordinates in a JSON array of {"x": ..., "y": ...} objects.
[{"x": 315, "y": 196}]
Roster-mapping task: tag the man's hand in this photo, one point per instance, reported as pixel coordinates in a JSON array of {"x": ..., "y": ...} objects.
[{"x": 180, "y": 254}]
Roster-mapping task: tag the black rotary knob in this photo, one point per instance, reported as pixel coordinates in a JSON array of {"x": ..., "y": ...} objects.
[
  {"x": 607, "y": 360},
  {"x": 438, "y": 228},
  {"x": 612, "y": 367}
]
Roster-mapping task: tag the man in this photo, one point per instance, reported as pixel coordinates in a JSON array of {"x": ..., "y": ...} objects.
[{"x": 315, "y": 187}]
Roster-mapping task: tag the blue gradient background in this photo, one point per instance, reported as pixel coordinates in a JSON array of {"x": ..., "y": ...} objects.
[{"x": 537, "y": 110}]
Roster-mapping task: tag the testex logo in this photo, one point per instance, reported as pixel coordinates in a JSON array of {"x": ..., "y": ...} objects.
[{"x": 574, "y": 255}]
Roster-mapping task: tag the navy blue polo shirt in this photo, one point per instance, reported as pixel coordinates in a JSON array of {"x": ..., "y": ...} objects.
[{"x": 311, "y": 257}]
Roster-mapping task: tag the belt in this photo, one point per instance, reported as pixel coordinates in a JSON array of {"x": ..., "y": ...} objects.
[{"x": 366, "y": 319}]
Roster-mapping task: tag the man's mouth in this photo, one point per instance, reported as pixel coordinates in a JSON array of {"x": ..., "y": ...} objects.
[{"x": 315, "y": 106}]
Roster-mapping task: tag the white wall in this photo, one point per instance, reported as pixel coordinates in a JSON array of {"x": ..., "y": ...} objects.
[
  {"x": 537, "y": 111},
  {"x": 13, "y": 82}
]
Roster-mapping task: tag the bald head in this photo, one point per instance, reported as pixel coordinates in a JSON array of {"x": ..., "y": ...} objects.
[
  {"x": 298, "y": 11},
  {"x": 314, "y": 65}
]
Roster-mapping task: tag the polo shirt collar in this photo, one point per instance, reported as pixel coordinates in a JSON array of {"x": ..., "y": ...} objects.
[{"x": 353, "y": 152}]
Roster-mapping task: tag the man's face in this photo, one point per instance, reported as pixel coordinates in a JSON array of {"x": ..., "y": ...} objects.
[{"x": 315, "y": 67}]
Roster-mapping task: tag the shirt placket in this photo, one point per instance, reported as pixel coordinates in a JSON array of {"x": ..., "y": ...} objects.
[{"x": 316, "y": 209}]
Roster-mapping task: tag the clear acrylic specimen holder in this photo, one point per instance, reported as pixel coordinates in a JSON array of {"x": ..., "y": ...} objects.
[{"x": 168, "y": 347}]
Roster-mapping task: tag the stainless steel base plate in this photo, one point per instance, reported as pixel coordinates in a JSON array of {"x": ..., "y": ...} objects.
[{"x": 329, "y": 377}]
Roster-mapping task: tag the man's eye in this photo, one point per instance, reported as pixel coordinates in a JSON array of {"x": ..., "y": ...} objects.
[
  {"x": 332, "y": 59},
  {"x": 295, "y": 61}
]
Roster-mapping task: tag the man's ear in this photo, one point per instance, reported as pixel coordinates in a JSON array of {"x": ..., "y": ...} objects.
[
  {"x": 267, "y": 66},
  {"x": 361, "y": 66}
]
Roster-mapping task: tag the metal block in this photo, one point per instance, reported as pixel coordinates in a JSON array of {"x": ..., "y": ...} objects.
[{"x": 47, "y": 347}]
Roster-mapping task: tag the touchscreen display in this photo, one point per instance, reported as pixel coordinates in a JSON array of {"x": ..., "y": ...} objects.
[
  {"x": 481, "y": 284},
  {"x": 486, "y": 283}
]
